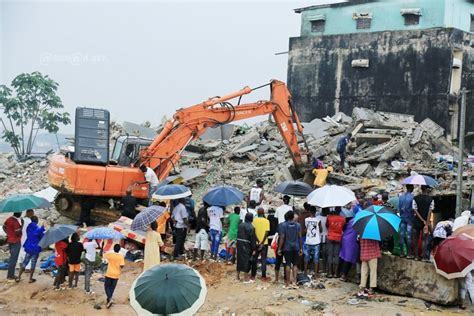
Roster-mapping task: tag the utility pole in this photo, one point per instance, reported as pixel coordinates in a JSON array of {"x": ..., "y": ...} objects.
[{"x": 462, "y": 128}]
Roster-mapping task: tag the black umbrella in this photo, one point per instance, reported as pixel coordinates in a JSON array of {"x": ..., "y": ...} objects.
[{"x": 296, "y": 188}]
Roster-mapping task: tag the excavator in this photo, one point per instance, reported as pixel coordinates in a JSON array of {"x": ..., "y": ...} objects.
[{"x": 76, "y": 180}]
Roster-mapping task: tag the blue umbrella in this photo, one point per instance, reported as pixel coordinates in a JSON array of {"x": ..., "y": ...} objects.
[
  {"x": 419, "y": 179},
  {"x": 146, "y": 217},
  {"x": 23, "y": 202},
  {"x": 376, "y": 223},
  {"x": 171, "y": 192},
  {"x": 223, "y": 195},
  {"x": 57, "y": 233},
  {"x": 103, "y": 233}
]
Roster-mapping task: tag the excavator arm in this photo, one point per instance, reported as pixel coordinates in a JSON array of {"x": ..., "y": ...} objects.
[{"x": 190, "y": 123}]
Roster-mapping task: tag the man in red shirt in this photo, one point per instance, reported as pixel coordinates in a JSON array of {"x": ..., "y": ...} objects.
[
  {"x": 369, "y": 254},
  {"x": 12, "y": 228},
  {"x": 335, "y": 225}
]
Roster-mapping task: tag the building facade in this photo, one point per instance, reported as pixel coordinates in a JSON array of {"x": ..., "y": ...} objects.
[{"x": 410, "y": 56}]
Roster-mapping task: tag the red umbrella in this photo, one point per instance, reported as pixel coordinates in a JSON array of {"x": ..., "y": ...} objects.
[{"x": 454, "y": 256}]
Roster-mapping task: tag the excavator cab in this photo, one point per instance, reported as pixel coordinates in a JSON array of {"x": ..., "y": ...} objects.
[{"x": 126, "y": 152}]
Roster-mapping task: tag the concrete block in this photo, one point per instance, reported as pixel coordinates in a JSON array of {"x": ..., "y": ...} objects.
[
  {"x": 247, "y": 140},
  {"x": 317, "y": 128},
  {"x": 443, "y": 146},
  {"x": 221, "y": 132},
  {"x": 245, "y": 149},
  {"x": 433, "y": 129},
  {"x": 416, "y": 279},
  {"x": 362, "y": 169},
  {"x": 372, "y": 138},
  {"x": 417, "y": 135}
]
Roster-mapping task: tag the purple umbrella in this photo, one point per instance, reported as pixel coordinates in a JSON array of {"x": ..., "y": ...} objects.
[{"x": 421, "y": 180}]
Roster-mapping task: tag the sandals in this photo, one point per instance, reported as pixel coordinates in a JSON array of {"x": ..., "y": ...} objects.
[{"x": 32, "y": 281}]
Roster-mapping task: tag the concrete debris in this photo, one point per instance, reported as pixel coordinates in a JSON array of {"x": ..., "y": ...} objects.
[
  {"x": 222, "y": 132},
  {"x": 385, "y": 146}
]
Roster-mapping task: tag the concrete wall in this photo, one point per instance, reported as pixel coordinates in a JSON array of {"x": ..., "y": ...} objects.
[
  {"x": 409, "y": 72},
  {"x": 387, "y": 16}
]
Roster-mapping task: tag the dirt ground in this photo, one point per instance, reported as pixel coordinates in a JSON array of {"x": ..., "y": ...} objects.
[{"x": 226, "y": 296}]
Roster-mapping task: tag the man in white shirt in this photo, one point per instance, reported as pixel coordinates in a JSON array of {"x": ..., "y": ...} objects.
[
  {"x": 26, "y": 222},
  {"x": 180, "y": 219},
  {"x": 215, "y": 214},
  {"x": 89, "y": 260},
  {"x": 322, "y": 218},
  {"x": 283, "y": 209},
  {"x": 151, "y": 179},
  {"x": 314, "y": 230},
  {"x": 256, "y": 193}
]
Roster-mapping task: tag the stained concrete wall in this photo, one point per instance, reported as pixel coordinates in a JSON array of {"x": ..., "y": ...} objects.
[{"x": 409, "y": 72}]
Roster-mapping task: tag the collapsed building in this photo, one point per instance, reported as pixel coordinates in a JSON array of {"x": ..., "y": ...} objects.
[{"x": 411, "y": 57}]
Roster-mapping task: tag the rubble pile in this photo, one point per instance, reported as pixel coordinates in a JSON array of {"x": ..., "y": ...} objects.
[
  {"x": 237, "y": 156},
  {"x": 22, "y": 177},
  {"x": 385, "y": 147}
]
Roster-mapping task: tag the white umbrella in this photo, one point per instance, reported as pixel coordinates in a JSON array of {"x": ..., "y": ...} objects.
[{"x": 331, "y": 196}]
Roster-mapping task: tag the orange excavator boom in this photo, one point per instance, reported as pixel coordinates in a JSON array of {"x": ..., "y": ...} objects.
[{"x": 190, "y": 123}]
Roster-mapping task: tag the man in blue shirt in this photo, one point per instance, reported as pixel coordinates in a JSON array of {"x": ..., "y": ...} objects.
[
  {"x": 341, "y": 150},
  {"x": 405, "y": 206}
]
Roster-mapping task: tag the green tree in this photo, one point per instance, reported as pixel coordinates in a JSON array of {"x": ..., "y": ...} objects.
[{"x": 34, "y": 106}]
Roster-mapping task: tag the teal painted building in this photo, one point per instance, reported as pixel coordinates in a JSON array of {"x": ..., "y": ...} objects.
[{"x": 385, "y": 15}]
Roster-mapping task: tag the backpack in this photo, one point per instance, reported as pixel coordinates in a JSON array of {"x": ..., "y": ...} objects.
[{"x": 291, "y": 236}]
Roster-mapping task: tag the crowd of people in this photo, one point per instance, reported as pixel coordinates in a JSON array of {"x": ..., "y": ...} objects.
[
  {"x": 306, "y": 242},
  {"x": 23, "y": 237}
]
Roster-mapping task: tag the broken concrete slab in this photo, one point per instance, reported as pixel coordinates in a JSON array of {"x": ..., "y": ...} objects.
[
  {"x": 191, "y": 173},
  {"x": 416, "y": 279},
  {"x": 362, "y": 169},
  {"x": 245, "y": 149},
  {"x": 316, "y": 128},
  {"x": 222, "y": 132},
  {"x": 381, "y": 168},
  {"x": 341, "y": 117},
  {"x": 247, "y": 140},
  {"x": 432, "y": 128},
  {"x": 263, "y": 147},
  {"x": 372, "y": 138},
  {"x": 417, "y": 134}
]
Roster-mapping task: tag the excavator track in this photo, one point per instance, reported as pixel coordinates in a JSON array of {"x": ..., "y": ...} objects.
[{"x": 69, "y": 205}]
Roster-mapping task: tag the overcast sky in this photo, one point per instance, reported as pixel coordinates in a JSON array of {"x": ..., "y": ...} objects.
[{"x": 143, "y": 60}]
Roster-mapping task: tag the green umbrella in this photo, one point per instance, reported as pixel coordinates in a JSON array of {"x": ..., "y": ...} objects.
[
  {"x": 168, "y": 289},
  {"x": 22, "y": 202}
]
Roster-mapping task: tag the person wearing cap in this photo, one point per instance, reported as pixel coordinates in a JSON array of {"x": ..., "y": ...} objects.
[
  {"x": 283, "y": 209},
  {"x": 256, "y": 193}
]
